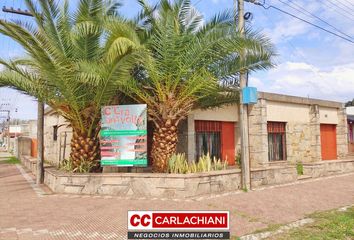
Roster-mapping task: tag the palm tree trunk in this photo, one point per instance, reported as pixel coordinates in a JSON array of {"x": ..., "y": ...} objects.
[
  {"x": 164, "y": 144},
  {"x": 84, "y": 148}
]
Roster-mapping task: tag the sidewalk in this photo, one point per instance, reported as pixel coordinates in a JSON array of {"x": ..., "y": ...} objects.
[
  {"x": 26, "y": 213},
  {"x": 4, "y": 155}
]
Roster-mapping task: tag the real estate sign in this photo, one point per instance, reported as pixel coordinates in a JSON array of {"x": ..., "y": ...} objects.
[{"x": 124, "y": 135}]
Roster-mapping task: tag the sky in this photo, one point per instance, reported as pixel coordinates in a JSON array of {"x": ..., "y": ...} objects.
[{"x": 309, "y": 62}]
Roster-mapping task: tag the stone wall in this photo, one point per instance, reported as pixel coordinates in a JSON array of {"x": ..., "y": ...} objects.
[
  {"x": 258, "y": 135},
  {"x": 180, "y": 186},
  {"x": 303, "y": 118},
  {"x": 327, "y": 168},
  {"x": 56, "y": 150},
  {"x": 298, "y": 142},
  {"x": 342, "y": 134},
  {"x": 315, "y": 133},
  {"x": 23, "y": 146},
  {"x": 30, "y": 163},
  {"x": 273, "y": 175}
]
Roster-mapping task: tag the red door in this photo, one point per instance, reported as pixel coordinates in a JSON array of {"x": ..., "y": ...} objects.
[
  {"x": 328, "y": 141},
  {"x": 228, "y": 142},
  {"x": 34, "y": 148}
]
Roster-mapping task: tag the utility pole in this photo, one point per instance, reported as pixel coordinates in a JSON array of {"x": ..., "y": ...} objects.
[
  {"x": 40, "y": 143},
  {"x": 40, "y": 120},
  {"x": 245, "y": 164}
]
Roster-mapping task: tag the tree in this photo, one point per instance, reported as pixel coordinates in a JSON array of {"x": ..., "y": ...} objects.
[
  {"x": 190, "y": 59},
  {"x": 74, "y": 63},
  {"x": 349, "y": 103}
]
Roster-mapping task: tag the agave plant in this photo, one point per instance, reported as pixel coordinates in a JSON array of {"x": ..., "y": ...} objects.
[
  {"x": 190, "y": 59},
  {"x": 74, "y": 63},
  {"x": 178, "y": 163}
]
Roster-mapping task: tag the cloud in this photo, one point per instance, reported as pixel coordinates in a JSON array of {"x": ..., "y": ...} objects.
[
  {"x": 217, "y": 1},
  {"x": 311, "y": 62},
  {"x": 303, "y": 79},
  {"x": 286, "y": 30}
]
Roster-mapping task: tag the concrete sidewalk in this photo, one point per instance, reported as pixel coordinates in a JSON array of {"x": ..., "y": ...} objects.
[
  {"x": 27, "y": 212},
  {"x": 4, "y": 155}
]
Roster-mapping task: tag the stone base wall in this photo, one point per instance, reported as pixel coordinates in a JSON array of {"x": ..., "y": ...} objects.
[
  {"x": 179, "y": 186},
  {"x": 30, "y": 163},
  {"x": 327, "y": 168},
  {"x": 273, "y": 175},
  {"x": 148, "y": 185}
]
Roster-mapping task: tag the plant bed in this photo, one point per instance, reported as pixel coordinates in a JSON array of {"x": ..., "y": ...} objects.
[{"x": 147, "y": 185}]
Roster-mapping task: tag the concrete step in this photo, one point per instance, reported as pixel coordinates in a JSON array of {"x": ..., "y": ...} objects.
[{"x": 303, "y": 177}]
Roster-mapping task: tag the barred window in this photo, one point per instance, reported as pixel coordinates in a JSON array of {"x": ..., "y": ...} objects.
[
  {"x": 276, "y": 141},
  {"x": 208, "y": 138}
]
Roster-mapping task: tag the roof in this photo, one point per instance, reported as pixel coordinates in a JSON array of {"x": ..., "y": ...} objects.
[
  {"x": 276, "y": 98},
  {"x": 299, "y": 100}
]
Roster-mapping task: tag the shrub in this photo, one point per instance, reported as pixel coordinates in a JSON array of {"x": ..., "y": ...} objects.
[
  {"x": 238, "y": 158},
  {"x": 300, "y": 168},
  {"x": 84, "y": 167},
  {"x": 179, "y": 164}
]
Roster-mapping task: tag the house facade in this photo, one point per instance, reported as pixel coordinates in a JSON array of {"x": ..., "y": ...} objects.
[{"x": 282, "y": 129}]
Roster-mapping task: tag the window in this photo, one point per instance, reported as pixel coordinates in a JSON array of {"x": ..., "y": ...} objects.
[
  {"x": 208, "y": 138},
  {"x": 276, "y": 141},
  {"x": 55, "y": 133}
]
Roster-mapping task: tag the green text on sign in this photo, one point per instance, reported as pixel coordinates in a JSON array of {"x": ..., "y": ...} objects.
[
  {"x": 124, "y": 162},
  {"x": 106, "y": 133}
]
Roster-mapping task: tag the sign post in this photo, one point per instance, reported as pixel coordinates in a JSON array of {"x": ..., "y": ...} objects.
[{"x": 124, "y": 136}]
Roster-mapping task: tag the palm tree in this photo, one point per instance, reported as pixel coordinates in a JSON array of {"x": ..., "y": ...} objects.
[
  {"x": 74, "y": 63},
  {"x": 191, "y": 60}
]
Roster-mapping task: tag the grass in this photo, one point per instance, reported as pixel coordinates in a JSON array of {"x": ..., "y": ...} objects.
[
  {"x": 329, "y": 225},
  {"x": 11, "y": 160}
]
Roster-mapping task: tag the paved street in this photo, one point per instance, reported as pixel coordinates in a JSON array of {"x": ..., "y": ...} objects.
[{"x": 28, "y": 212}]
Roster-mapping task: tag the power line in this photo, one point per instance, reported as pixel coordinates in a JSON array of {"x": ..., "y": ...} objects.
[
  {"x": 314, "y": 16},
  {"x": 301, "y": 19},
  {"x": 342, "y": 10},
  {"x": 345, "y": 5},
  {"x": 349, "y": 3},
  {"x": 295, "y": 51},
  {"x": 337, "y": 11},
  {"x": 15, "y": 96}
]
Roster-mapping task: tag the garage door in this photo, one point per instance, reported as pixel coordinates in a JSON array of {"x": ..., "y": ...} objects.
[{"x": 328, "y": 142}]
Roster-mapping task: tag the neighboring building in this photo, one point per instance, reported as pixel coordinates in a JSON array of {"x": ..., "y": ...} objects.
[
  {"x": 282, "y": 129},
  {"x": 23, "y": 128},
  {"x": 350, "y": 116},
  {"x": 29, "y": 129}
]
